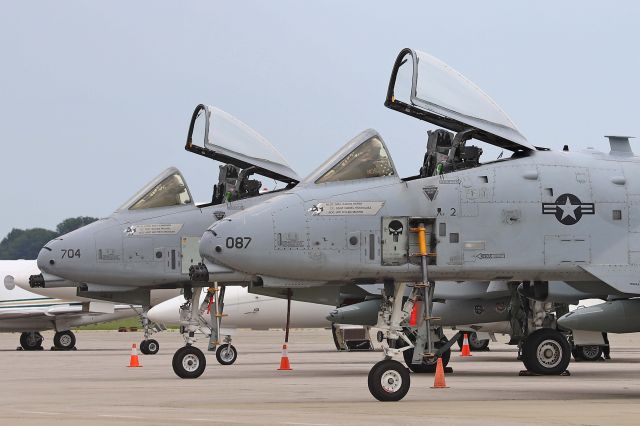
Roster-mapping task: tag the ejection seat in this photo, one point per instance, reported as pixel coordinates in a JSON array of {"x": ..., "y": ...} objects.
[{"x": 447, "y": 152}]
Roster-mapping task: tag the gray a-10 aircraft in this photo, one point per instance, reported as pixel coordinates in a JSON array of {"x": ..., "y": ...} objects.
[
  {"x": 534, "y": 216},
  {"x": 152, "y": 240},
  {"x": 353, "y": 221}
]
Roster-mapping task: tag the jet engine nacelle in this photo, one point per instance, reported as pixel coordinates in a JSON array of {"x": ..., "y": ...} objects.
[
  {"x": 451, "y": 312},
  {"x": 616, "y": 316}
]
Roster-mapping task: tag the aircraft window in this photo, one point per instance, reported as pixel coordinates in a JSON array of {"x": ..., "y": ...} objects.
[
  {"x": 172, "y": 191},
  {"x": 369, "y": 159}
]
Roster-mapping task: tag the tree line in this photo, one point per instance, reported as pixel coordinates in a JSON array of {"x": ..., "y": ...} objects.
[{"x": 26, "y": 243}]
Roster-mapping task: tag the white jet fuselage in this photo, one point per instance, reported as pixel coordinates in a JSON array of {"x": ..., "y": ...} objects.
[{"x": 247, "y": 310}]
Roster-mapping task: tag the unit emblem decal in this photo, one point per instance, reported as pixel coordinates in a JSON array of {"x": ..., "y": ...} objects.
[{"x": 431, "y": 192}]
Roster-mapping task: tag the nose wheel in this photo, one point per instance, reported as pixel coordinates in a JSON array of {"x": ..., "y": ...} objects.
[
  {"x": 226, "y": 354},
  {"x": 189, "y": 362},
  {"x": 149, "y": 347},
  {"x": 389, "y": 381}
]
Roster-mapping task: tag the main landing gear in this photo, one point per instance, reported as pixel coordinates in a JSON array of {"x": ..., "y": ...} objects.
[
  {"x": 475, "y": 344},
  {"x": 189, "y": 362},
  {"x": 543, "y": 349},
  {"x": 31, "y": 341},
  {"x": 546, "y": 351},
  {"x": 64, "y": 341}
]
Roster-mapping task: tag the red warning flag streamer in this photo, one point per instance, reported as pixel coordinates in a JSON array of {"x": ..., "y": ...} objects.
[
  {"x": 210, "y": 303},
  {"x": 413, "y": 319}
]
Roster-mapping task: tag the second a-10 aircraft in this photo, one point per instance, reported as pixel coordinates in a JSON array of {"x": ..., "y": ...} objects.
[{"x": 531, "y": 217}]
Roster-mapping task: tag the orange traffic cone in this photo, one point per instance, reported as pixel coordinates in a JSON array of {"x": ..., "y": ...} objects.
[
  {"x": 438, "y": 381},
  {"x": 284, "y": 361},
  {"x": 134, "y": 362},
  {"x": 466, "y": 350}
]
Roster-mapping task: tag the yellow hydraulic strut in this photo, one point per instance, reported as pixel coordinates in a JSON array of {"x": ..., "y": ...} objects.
[{"x": 425, "y": 288}]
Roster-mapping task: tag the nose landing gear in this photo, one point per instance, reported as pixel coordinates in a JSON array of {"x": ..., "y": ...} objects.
[
  {"x": 406, "y": 328},
  {"x": 149, "y": 346},
  {"x": 389, "y": 380},
  {"x": 189, "y": 362}
]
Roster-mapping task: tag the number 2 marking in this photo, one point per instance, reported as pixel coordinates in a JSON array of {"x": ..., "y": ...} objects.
[{"x": 453, "y": 211}]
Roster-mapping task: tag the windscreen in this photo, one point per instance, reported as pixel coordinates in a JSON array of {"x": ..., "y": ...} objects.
[
  {"x": 369, "y": 159},
  {"x": 171, "y": 191}
]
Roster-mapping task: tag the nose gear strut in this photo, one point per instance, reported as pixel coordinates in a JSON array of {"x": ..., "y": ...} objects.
[
  {"x": 192, "y": 321},
  {"x": 393, "y": 320}
]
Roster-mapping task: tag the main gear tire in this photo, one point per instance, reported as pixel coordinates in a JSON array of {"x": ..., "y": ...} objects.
[
  {"x": 587, "y": 353},
  {"x": 64, "y": 340},
  {"x": 474, "y": 344},
  {"x": 389, "y": 380},
  {"x": 546, "y": 352},
  {"x": 189, "y": 362},
  {"x": 428, "y": 364},
  {"x": 31, "y": 340}
]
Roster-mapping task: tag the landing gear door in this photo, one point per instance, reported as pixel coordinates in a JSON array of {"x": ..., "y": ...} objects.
[
  {"x": 190, "y": 249},
  {"x": 395, "y": 240}
]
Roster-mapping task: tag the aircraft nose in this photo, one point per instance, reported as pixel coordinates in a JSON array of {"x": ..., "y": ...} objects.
[
  {"x": 46, "y": 259},
  {"x": 166, "y": 312},
  {"x": 247, "y": 241},
  {"x": 70, "y": 256},
  {"x": 229, "y": 242},
  {"x": 209, "y": 245}
]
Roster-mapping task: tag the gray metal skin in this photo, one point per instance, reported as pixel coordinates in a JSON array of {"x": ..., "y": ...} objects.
[
  {"x": 133, "y": 261},
  {"x": 536, "y": 215},
  {"x": 497, "y": 211},
  {"x": 614, "y": 316},
  {"x": 153, "y": 243}
]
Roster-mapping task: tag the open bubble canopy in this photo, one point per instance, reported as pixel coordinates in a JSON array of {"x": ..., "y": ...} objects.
[{"x": 427, "y": 88}]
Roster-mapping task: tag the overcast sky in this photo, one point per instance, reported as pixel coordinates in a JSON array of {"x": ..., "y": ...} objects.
[{"x": 96, "y": 97}]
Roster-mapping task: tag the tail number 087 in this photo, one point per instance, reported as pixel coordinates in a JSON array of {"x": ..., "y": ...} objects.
[{"x": 237, "y": 242}]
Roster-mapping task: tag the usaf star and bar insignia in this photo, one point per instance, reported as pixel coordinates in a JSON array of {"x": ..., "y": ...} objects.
[{"x": 568, "y": 209}]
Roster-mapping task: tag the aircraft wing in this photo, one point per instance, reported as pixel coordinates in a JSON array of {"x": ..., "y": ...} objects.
[
  {"x": 60, "y": 310},
  {"x": 426, "y": 88}
]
